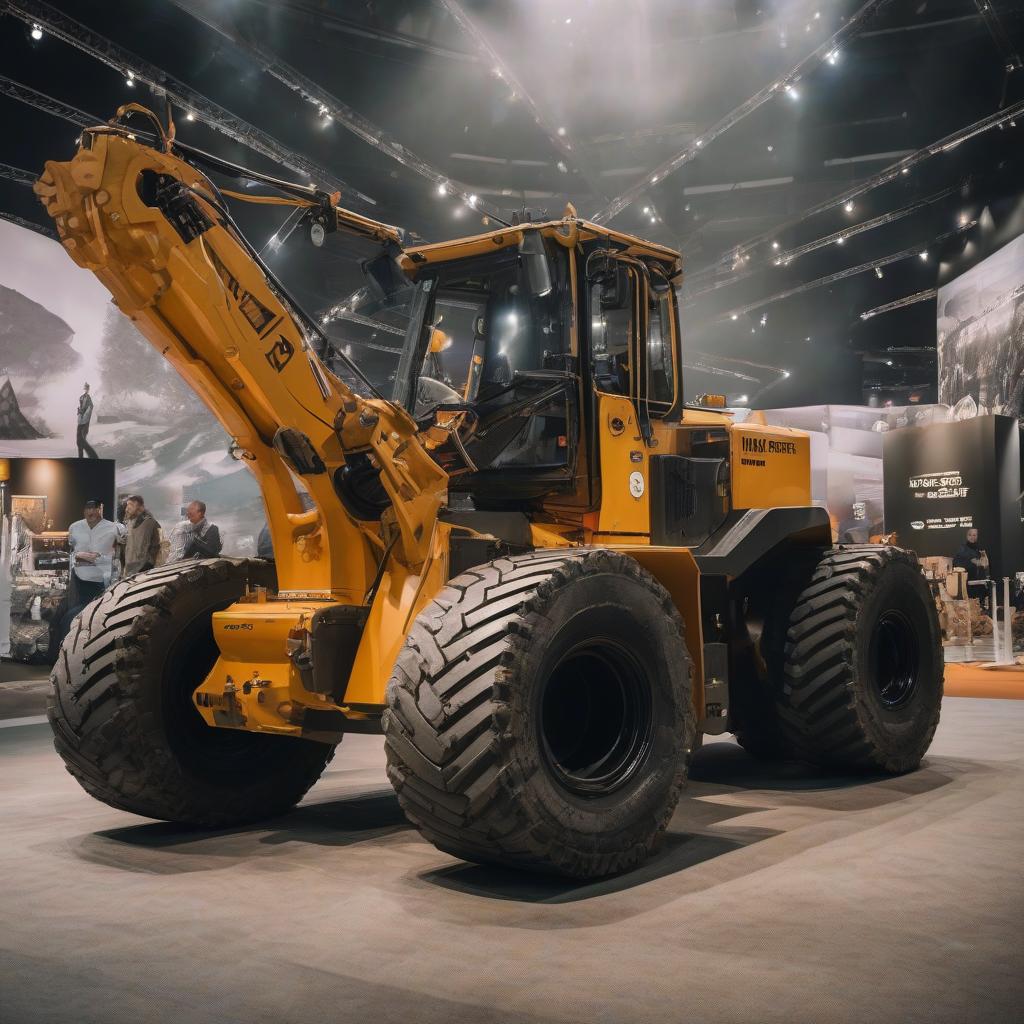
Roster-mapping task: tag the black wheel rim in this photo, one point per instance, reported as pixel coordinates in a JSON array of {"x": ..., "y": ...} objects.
[
  {"x": 895, "y": 659},
  {"x": 595, "y": 718}
]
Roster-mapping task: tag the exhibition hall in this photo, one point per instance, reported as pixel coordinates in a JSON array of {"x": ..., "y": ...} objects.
[{"x": 511, "y": 511}]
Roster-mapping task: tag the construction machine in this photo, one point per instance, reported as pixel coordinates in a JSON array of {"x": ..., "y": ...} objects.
[{"x": 530, "y": 564}]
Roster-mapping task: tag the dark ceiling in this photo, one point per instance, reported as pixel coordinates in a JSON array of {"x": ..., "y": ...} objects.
[{"x": 534, "y": 103}]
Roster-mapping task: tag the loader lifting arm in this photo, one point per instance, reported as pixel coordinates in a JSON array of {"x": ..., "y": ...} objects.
[{"x": 157, "y": 234}]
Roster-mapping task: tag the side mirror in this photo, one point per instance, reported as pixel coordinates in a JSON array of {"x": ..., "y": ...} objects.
[
  {"x": 535, "y": 258},
  {"x": 615, "y": 287}
]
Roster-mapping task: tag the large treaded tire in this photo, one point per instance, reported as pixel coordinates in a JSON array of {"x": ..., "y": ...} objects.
[
  {"x": 865, "y": 622},
  {"x": 501, "y": 694},
  {"x": 122, "y": 714}
]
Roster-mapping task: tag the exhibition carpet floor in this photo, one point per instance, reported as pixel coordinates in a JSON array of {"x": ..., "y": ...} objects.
[{"x": 780, "y": 895}]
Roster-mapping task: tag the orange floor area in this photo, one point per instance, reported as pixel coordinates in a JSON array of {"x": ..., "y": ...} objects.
[{"x": 980, "y": 680}]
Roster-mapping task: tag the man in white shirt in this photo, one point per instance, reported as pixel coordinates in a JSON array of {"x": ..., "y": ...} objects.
[{"x": 92, "y": 542}]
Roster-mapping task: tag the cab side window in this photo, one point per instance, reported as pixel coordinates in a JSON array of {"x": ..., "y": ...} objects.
[
  {"x": 611, "y": 328},
  {"x": 660, "y": 380}
]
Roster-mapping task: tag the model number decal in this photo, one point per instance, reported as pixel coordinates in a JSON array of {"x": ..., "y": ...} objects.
[
  {"x": 763, "y": 445},
  {"x": 238, "y": 625}
]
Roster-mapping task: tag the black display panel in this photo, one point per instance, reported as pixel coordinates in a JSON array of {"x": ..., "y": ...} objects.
[{"x": 945, "y": 478}]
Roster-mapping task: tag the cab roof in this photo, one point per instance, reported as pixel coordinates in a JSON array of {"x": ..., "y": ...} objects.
[{"x": 416, "y": 257}]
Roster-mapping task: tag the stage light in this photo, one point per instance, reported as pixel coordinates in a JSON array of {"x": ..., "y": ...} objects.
[
  {"x": 840, "y": 240},
  {"x": 735, "y": 316},
  {"x": 792, "y": 93},
  {"x": 654, "y": 180},
  {"x": 888, "y": 362},
  {"x": 771, "y": 148},
  {"x": 906, "y": 170},
  {"x": 37, "y": 32},
  {"x": 848, "y": 206},
  {"x": 190, "y": 116},
  {"x": 130, "y": 80},
  {"x": 561, "y": 131},
  {"x": 753, "y": 330},
  {"x": 764, "y": 319},
  {"x": 923, "y": 255},
  {"x": 568, "y": 21},
  {"x": 562, "y": 167},
  {"x": 964, "y": 220},
  {"x": 775, "y": 245},
  {"x": 832, "y": 57},
  {"x": 785, "y": 373},
  {"x": 878, "y": 273},
  {"x": 817, "y": 15},
  {"x": 647, "y": 211},
  {"x": 698, "y": 143},
  {"x": 777, "y": 262},
  {"x": 472, "y": 201},
  {"x": 442, "y": 189}
]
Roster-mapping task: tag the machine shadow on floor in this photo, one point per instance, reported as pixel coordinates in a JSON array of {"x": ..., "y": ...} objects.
[{"x": 726, "y": 784}]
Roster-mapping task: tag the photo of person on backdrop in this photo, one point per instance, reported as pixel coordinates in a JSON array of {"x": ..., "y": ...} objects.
[{"x": 85, "y": 407}]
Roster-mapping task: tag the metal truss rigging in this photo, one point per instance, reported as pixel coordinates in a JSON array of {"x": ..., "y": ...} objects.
[
  {"x": 17, "y": 175},
  {"x": 39, "y": 229},
  {"x": 81, "y": 37},
  {"x": 841, "y": 275},
  {"x": 907, "y": 300},
  {"x": 328, "y": 105},
  {"x": 23, "y": 93},
  {"x": 788, "y": 81},
  {"x": 1006, "y": 116}
]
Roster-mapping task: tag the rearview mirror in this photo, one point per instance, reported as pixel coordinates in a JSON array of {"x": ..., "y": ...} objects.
[{"x": 535, "y": 259}]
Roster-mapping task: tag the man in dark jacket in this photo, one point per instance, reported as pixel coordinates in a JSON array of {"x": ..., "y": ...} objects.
[
  {"x": 85, "y": 450},
  {"x": 142, "y": 540},
  {"x": 975, "y": 561},
  {"x": 203, "y": 538}
]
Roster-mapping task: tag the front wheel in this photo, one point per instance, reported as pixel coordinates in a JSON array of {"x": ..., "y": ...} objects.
[
  {"x": 862, "y": 685},
  {"x": 540, "y": 714},
  {"x": 122, "y": 710}
]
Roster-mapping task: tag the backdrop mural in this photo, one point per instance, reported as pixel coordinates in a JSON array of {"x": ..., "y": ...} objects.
[
  {"x": 60, "y": 331},
  {"x": 981, "y": 336}
]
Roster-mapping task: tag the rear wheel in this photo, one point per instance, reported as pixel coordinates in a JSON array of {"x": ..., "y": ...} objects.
[
  {"x": 122, "y": 710},
  {"x": 863, "y": 675},
  {"x": 540, "y": 714}
]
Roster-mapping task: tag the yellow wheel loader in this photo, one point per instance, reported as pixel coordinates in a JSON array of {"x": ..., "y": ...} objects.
[{"x": 530, "y": 565}]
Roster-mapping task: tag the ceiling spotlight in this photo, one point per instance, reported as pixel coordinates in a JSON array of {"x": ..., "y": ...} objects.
[
  {"x": 568, "y": 21},
  {"x": 740, "y": 399},
  {"x": 808, "y": 338},
  {"x": 442, "y": 189},
  {"x": 832, "y": 57},
  {"x": 190, "y": 116},
  {"x": 771, "y": 148},
  {"x": 698, "y": 143},
  {"x": 654, "y": 220},
  {"x": 923, "y": 255},
  {"x": 841, "y": 240},
  {"x": 654, "y": 180},
  {"x": 130, "y": 80},
  {"x": 753, "y": 330},
  {"x": 817, "y": 15},
  {"x": 735, "y": 316},
  {"x": 878, "y": 273},
  {"x": 37, "y": 32},
  {"x": 848, "y": 206},
  {"x": 888, "y": 362},
  {"x": 561, "y": 131},
  {"x": 792, "y": 93},
  {"x": 963, "y": 220},
  {"x": 906, "y": 170},
  {"x": 775, "y": 245},
  {"x": 647, "y": 210},
  {"x": 562, "y": 166},
  {"x": 785, "y": 373},
  {"x": 472, "y": 201},
  {"x": 686, "y": 208},
  {"x": 764, "y": 319},
  {"x": 778, "y": 263}
]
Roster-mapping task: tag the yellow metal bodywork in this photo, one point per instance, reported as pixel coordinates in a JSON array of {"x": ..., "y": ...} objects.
[{"x": 208, "y": 308}]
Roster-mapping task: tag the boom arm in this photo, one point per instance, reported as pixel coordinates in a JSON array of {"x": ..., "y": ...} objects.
[{"x": 155, "y": 232}]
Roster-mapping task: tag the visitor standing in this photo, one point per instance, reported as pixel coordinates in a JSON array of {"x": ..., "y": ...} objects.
[
  {"x": 85, "y": 407},
  {"x": 142, "y": 536},
  {"x": 202, "y": 538}
]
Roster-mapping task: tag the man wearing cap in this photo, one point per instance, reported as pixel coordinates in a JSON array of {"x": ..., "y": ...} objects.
[
  {"x": 92, "y": 542},
  {"x": 142, "y": 540},
  {"x": 84, "y": 418}
]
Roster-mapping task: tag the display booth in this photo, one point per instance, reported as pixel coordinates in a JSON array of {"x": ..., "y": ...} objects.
[{"x": 41, "y": 498}]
